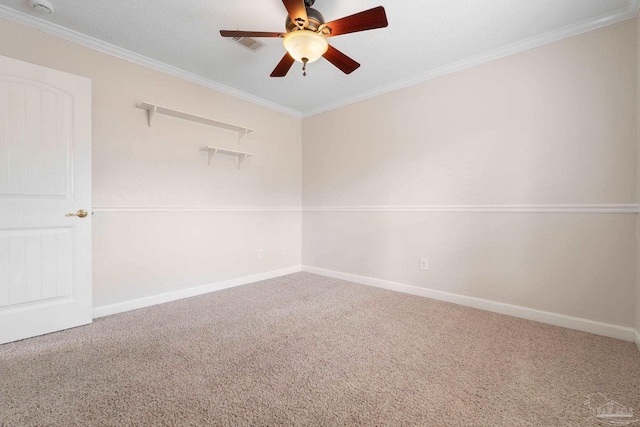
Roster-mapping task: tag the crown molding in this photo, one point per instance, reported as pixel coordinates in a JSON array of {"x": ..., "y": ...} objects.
[
  {"x": 631, "y": 11},
  {"x": 110, "y": 49}
]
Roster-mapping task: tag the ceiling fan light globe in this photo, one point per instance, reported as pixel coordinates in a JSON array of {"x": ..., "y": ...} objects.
[{"x": 305, "y": 44}]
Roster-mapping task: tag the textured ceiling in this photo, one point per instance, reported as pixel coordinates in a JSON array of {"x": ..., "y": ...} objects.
[{"x": 424, "y": 39}]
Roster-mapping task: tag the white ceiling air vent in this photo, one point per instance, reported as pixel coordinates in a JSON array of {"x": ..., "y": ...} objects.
[
  {"x": 248, "y": 42},
  {"x": 42, "y": 6}
]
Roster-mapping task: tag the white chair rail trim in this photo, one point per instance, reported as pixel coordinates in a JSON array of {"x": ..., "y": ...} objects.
[
  {"x": 576, "y": 209},
  {"x": 594, "y": 208}
]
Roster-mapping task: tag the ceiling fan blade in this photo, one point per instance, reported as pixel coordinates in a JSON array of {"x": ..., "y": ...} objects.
[
  {"x": 283, "y": 66},
  {"x": 227, "y": 33},
  {"x": 366, "y": 20},
  {"x": 297, "y": 12},
  {"x": 340, "y": 60}
]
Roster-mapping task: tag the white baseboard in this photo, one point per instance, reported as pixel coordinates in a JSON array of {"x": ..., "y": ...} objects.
[
  {"x": 585, "y": 325},
  {"x": 120, "y": 307}
]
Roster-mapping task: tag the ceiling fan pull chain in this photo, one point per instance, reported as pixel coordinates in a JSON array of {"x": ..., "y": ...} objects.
[{"x": 304, "y": 67}]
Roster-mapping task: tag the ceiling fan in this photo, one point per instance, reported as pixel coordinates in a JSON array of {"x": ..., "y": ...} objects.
[{"x": 306, "y": 37}]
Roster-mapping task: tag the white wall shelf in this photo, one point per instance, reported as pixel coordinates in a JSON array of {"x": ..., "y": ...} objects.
[
  {"x": 153, "y": 109},
  {"x": 212, "y": 151}
]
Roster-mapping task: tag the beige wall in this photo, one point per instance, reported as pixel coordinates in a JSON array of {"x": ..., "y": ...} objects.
[
  {"x": 143, "y": 254},
  {"x": 555, "y": 125},
  {"x": 637, "y": 39}
]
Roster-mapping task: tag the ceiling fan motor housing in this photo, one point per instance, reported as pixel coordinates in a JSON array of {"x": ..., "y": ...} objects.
[{"x": 314, "y": 17}]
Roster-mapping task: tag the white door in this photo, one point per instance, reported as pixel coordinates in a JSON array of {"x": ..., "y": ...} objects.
[{"x": 45, "y": 173}]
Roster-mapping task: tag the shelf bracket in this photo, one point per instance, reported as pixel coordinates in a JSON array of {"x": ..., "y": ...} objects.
[
  {"x": 241, "y": 157},
  {"x": 150, "y": 113},
  {"x": 241, "y": 134},
  {"x": 210, "y": 154}
]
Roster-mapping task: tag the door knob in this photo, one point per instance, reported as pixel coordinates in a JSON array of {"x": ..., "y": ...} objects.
[{"x": 80, "y": 214}]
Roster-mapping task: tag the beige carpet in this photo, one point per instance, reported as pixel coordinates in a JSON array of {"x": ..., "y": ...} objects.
[{"x": 307, "y": 350}]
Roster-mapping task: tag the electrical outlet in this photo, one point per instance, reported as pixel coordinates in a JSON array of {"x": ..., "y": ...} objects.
[
  {"x": 284, "y": 250},
  {"x": 424, "y": 264},
  {"x": 260, "y": 254}
]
